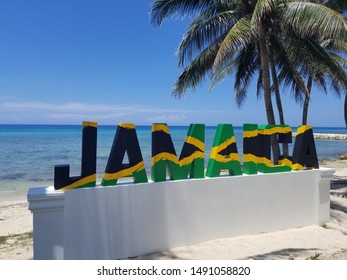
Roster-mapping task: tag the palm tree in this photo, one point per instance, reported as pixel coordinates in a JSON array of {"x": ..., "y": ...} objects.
[
  {"x": 340, "y": 7},
  {"x": 225, "y": 30},
  {"x": 206, "y": 34},
  {"x": 327, "y": 69},
  {"x": 316, "y": 59}
]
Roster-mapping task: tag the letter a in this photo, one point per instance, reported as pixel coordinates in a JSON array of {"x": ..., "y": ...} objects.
[
  {"x": 224, "y": 153},
  {"x": 125, "y": 141},
  {"x": 304, "y": 153}
]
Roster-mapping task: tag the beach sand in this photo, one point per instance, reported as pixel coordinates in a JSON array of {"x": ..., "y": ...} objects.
[{"x": 328, "y": 241}]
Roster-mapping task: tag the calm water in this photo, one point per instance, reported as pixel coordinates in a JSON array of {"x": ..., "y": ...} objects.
[{"x": 29, "y": 153}]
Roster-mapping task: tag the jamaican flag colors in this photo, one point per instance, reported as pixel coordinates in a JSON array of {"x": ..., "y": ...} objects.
[
  {"x": 191, "y": 160},
  {"x": 62, "y": 179},
  {"x": 264, "y": 159},
  {"x": 257, "y": 148},
  {"x": 125, "y": 141},
  {"x": 224, "y": 155},
  {"x": 304, "y": 153},
  {"x": 251, "y": 149},
  {"x": 126, "y": 160}
]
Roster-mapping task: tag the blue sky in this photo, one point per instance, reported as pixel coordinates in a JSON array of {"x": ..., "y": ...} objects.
[{"x": 65, "y": 61}]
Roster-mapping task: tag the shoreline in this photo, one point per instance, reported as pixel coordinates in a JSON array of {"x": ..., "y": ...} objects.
[
  {"x": 327, "y": 136},
  {"x": 329, "y": 241}
]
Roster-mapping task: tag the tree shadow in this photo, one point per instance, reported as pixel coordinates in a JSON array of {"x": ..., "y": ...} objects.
[
  {"x": 336, "y": 184},
  {"x": 339, "y": 194},
  {"x": 338, "y": 207},
  {"x": 164, "y": 255},
  {"x": 283, "y": 254}
]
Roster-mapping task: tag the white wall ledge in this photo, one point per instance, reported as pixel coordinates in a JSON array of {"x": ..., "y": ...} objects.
[{"x": 128, "y": 220}]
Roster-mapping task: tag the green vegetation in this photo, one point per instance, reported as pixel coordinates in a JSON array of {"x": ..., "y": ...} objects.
[
  {"x": 314, "y": 257},
  {"x": 16, "y": 239}
]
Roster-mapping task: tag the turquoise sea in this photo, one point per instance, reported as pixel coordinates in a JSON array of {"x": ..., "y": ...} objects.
[{"x": 29, "y": 153}]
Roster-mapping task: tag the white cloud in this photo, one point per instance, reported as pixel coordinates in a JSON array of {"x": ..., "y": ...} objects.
[
  {"x": 173, "y": 118},
  {"x": 82, "y": 107},
  {"x": 44, "y": 112}
]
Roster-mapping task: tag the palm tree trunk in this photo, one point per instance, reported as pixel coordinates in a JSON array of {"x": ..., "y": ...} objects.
[
  {"x": 307, "y": 100},
  {"x": 278, "y": 99},
  {"x": 264, "y": 56},
  {"x": 346, "y": 110}
]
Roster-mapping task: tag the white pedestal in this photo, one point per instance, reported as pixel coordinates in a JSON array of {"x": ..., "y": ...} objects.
[{"x": 135, "y": 219}]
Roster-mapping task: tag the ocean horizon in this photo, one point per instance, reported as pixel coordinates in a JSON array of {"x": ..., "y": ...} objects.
[{"x": 30, "y": 152}]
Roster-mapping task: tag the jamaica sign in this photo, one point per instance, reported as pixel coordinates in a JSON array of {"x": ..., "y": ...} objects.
[{"x": 190, "y": 164}]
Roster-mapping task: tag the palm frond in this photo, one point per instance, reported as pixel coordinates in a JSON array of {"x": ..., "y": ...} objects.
[
  {"x": 339, "y": 59},
  {"x": 310, "y": 19},
  {"x": 325, "y": 63},
  {"x": 203, "y": 33},
  {"x": 260, "y": 85},
  {"x": 196, "y": 71},
  {"x": 227, "y": 70},
  {"x": 262, "y": 9},
  {"x": 336, "y": 46},
  {"x": 337, "y": 5},
  {"x": 165, "y": 9},
  {"x": 248, "y": 64},
  {"x": 238, "y": 37}
]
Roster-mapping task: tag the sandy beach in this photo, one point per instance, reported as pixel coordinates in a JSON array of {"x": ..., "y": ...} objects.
[{"x": 327, "y": 241}]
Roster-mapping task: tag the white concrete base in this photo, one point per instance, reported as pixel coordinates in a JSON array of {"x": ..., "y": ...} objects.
[{"x": 136, "y": 219}]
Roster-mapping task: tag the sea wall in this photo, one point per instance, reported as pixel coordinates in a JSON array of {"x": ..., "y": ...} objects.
[
  {"x": 129, "y": 220},
  {"x": 326, "y": 136}
]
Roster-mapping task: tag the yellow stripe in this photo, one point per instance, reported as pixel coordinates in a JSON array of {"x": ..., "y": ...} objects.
[
  {"x": 127, "y": 125},
  {"x": 250, "y": 157},
  {"x": 191, "y": 158},
  {"x": 221, "y": 147},
  {"x": 249, "y": 134},
  {"x": 297, "y": 166},
  {"x": 92, "y": 124},
  {"x": 173, "y": 158},
  {"x": 228, "y": 158},
  {"x": 303, "y": 129},
  {"x": 164, "y": 156},
  {"x": 271, "y": 131},
  {"x": 86, "y": 180},
  {"x": 265, "y": 161},
  {"x": 125, "y": 172},
  {"x": 160, "y": 127},
  {"x": 286, "y": 162},
  {"x": 255, "y": 159},
  {"x": 196, "y": 142}
]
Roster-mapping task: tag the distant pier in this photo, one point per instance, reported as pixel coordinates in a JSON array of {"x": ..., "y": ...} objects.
[{"x": 327, "y": 136}]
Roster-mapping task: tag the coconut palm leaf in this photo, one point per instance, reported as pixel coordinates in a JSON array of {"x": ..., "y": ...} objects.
[
  {"x": 245, "y": 63},
  {"x": 202, "y": 33},
  {"x": 262, "y": 10},
  {"x": 164, "y": 9},
  {"x": 248, "y": 64},
  {"x": 239, "y": 35},
  {"x": 310, "y": 19},
  {"x": 197, "y": 70}
]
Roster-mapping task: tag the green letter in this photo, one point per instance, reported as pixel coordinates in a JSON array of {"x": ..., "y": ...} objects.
[
  {"x": 224, "y": 153},
  {"x": 264, "y": 159},
  {"x": 164, "y": 156}
]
